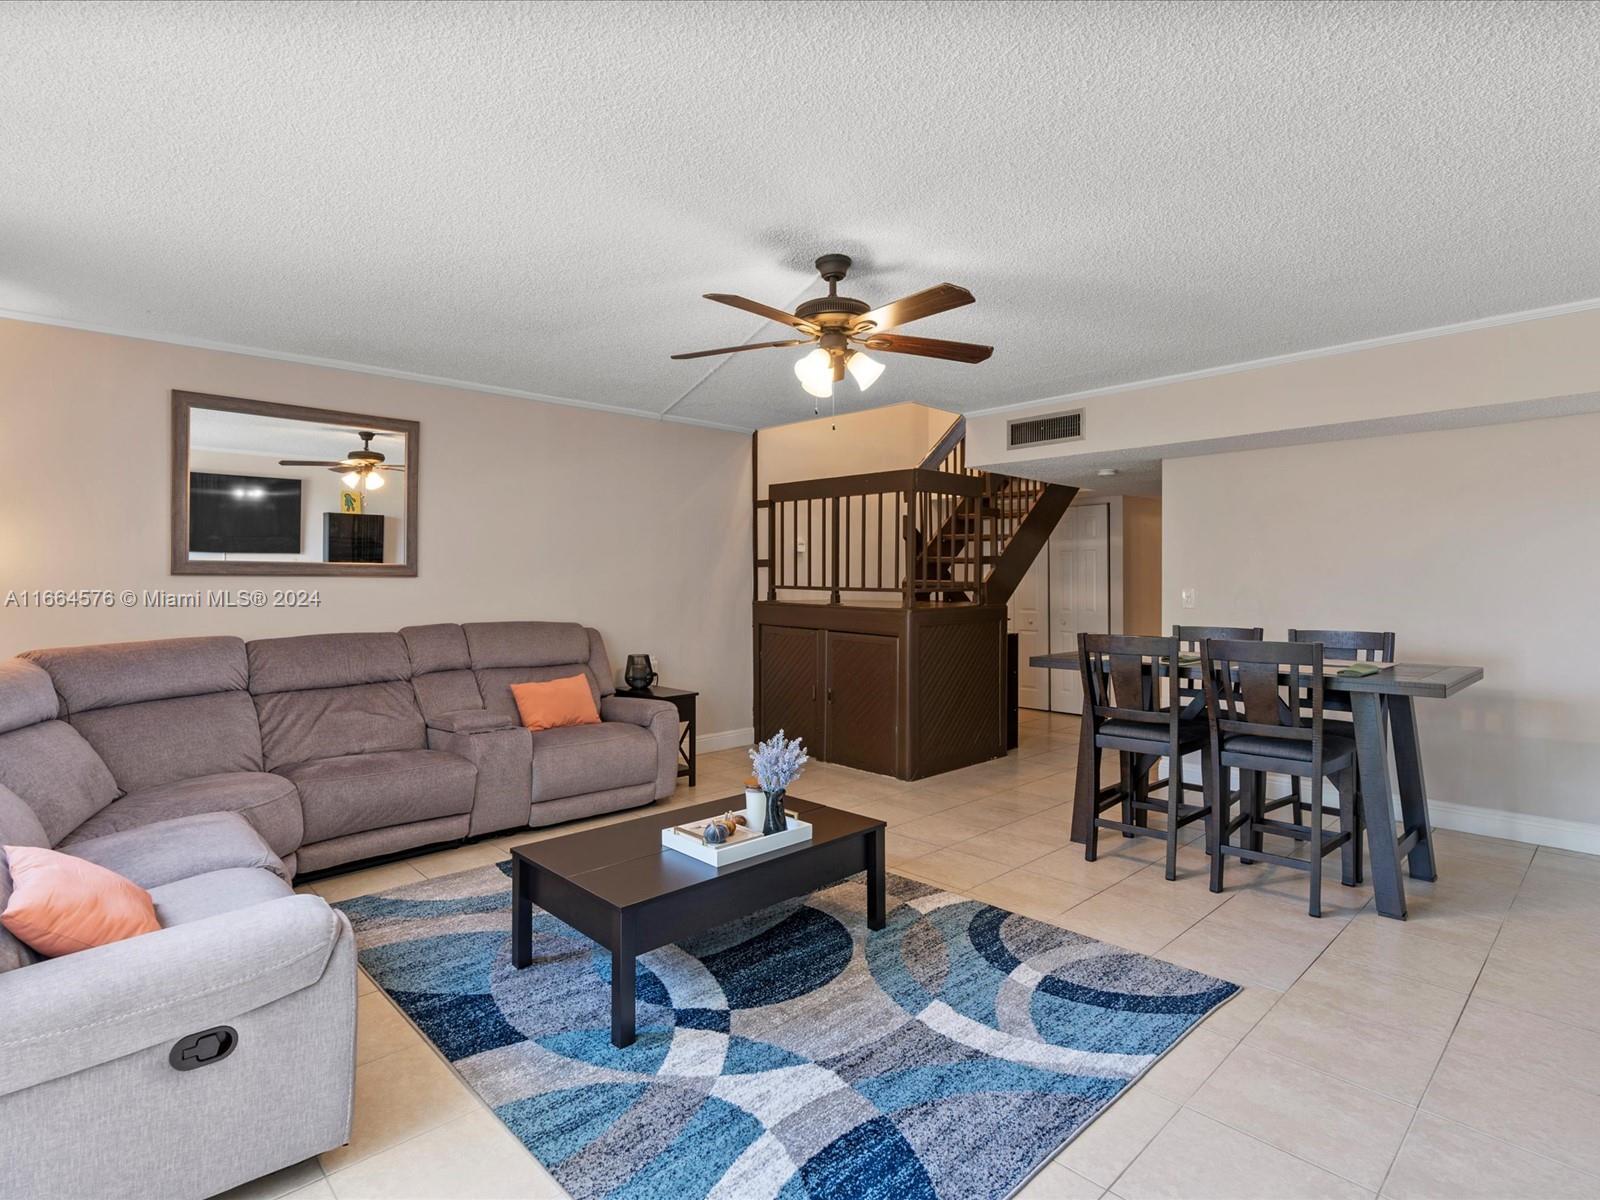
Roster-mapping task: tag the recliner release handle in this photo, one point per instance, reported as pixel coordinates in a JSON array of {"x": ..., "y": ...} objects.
[{"x": 203, "y": 1048}]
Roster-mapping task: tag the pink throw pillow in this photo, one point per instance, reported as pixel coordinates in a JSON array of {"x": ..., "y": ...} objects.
[{"x": 60, "y": 904}]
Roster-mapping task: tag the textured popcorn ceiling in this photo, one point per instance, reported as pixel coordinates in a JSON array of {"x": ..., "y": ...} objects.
[{"x": 532, "y": 197}]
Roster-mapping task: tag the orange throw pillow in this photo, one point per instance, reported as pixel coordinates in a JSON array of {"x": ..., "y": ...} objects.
[
  {"x": 558, "y": 702},
  {"x": 60, "y": 904}
]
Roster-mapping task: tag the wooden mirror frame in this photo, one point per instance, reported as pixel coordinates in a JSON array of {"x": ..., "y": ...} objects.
[{"x": 183, "y": 403}]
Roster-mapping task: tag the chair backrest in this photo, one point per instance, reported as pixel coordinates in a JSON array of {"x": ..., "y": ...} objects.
[
  {"x": 1264, "y": 689},
  {"x": 327, "y": 695},
  {"x": 160, "y": 711},
  {"x": 1356, "y": 645},
  {"x": 43, "y": 760},
  {"x": 1122, "y": 678},
  {"x": 1189, "y": 639},
  {"x": 503, "y": 653},
  {"x": 1190, "y": 636}
]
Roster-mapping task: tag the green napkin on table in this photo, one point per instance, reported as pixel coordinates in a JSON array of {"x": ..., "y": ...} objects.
[
  {"x": 1360, "y": 670},
  {"x": 1188, "y": 660}
]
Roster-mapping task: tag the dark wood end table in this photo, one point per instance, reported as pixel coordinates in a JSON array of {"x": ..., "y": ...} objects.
[
  {"x": 685, "y": 704},
  {"x": 618, "y": 885}
]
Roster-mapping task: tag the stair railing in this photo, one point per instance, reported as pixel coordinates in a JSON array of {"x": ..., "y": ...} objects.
[{"x": 929, "y": 534}]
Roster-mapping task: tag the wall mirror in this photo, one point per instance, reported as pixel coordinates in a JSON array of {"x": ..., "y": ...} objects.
[{"x": 276, "y": 489}]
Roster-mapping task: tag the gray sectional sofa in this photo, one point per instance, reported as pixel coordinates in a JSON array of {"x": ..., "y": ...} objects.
[{"x": 210, "y": 771}]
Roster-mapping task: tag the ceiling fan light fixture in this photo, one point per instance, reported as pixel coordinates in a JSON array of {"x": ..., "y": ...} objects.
[
  {"x": 351, "y": 479},
  {"x": 815, "y": 373},
  {"x": 833, "y": 322},
  {"x": 374, "y": 481},
  {"x": 863, "y": 370}
]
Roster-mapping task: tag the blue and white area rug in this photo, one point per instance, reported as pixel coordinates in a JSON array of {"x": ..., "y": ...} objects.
[{"x": 791, "y": 1054}]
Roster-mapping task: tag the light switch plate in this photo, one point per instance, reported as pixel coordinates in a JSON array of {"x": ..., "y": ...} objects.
[{"x": 1188, "y": 597}]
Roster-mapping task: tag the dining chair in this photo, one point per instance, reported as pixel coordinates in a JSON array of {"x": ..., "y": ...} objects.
[
  {"x": 1190, "y": 636},
  {"x": 1191, "y": 690},
  {"x": 1122, "y": 679},
  {"x": 1348, "y": 645},
  {"x": 1264, "y": 703},
  {"x": 1351, "y": 645}
]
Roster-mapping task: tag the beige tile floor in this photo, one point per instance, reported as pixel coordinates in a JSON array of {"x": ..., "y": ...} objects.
[{"x": 1454, "y": 1055}]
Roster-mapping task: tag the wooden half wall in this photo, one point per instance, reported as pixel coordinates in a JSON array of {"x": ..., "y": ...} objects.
[{"x": 908, "y": 692}]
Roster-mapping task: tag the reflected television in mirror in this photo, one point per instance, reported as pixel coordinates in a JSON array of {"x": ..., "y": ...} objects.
[
  {"x": 275, "y": 489},
  {"x": 243, "y": 514}
]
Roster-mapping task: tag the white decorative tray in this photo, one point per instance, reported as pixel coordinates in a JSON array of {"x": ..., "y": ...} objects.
[{"x": 685, "y": 839}]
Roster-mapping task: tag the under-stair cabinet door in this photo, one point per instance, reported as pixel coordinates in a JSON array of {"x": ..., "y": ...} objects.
[
  {"x": 791, "y": 684},
  {"x": 863, "y": 701}
]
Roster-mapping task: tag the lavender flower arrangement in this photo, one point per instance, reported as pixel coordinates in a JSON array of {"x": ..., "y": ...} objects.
[{"x": 778, "y": 762}]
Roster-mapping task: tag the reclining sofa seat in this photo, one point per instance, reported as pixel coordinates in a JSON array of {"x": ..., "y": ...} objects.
[
  {"x": 206, "y": 770},
  {"x": 172, "y": 723},
  {"x": 463, "y": 676},
  {"x": 340, "y": 721},
  {"x": 86, "y": 1039}
]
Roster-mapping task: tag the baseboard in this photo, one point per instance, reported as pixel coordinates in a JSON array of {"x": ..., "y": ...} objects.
[
  {"x": 728, "y": 739},
  {"x": 1582, "y": 836}
]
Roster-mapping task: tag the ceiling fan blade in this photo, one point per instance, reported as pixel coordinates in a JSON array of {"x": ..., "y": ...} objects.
[
  {"x": 763, "y": 310},
  {"x": 387, "y": 467},
  {"x": 918, "y": 305},
  {"x": 305, "y": 462},
  {"x": 899, "y": 343},
  {"x": 736, "y": 349}
]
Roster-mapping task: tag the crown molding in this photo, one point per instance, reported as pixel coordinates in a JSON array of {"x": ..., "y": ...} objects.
[
  {"x": 1393, "y": 339},
  {"x": 1276, "y": 360},
  {"x": 334, "y": 364}
]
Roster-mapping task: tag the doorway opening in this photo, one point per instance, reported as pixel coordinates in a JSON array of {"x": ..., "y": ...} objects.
[{"x": 1100, "y": 573}]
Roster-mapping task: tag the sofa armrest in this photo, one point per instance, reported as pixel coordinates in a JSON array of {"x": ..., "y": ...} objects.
[
  {"x": 503, "y": 798},
  {"x": 661, "y": 719},
  {"x": 470, "y": 720},
  {"x": 637, "y": 711},
  {"x": 67, "y": 1014},
  {"x": 166, "y": 851}
]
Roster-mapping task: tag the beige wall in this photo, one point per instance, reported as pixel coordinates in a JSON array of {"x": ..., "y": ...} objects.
[
  {"x": 879, "y": 439},
  {"x": 528, "y": 510},
  {"x": 1141, "y": 566},
  {"x": 1475, "y": 546},
  {"x": 1462, "y": 377}
]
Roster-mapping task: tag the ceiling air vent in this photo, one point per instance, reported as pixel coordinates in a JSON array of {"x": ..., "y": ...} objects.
[{"x": 1037, "y": 431}]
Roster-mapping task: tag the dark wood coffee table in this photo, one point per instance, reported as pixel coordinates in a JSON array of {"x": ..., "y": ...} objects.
[{"x": 618, "y": 885}]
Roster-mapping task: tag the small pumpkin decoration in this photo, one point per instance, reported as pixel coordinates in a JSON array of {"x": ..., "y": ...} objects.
[{"x": 720, "y": 829}]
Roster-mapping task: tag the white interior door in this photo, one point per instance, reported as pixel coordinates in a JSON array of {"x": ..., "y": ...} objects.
[
  {"x": 1080, "y": 592},
  {"x": 1028, "y": 616}
]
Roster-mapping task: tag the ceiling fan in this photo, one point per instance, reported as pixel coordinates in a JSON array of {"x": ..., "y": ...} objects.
[
  {"x": 841, "y": 328},
  {"x": 360, "y": 468}
]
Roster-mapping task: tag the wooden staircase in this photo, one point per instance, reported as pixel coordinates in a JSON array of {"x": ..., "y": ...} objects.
[
  {"x": 1009, "y": 522},
  {"x": 939, "y": 533},
  {"x": 880, "y": 609}
]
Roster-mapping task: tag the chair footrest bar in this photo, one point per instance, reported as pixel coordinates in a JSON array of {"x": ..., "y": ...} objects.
[
  {"x": 1282, "y": 860},
  {"x": 1328, "y": 843},
  {"x": 1187, "y": 785},
  {"x": 1122, "y": 827}
]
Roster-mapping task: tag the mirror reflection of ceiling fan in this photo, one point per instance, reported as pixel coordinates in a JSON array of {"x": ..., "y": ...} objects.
[
  {"x": 841, "y": 328},
  {"x": 362, "y": 470}
]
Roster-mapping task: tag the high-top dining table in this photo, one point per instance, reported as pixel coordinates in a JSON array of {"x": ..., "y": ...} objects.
[{"x": 1380, "y": 704}]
